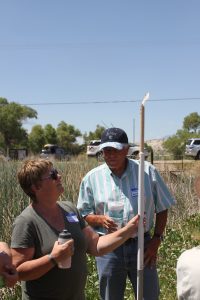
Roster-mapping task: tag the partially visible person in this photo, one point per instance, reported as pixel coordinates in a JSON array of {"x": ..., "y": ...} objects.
[
  {"x": 188, "y": 275},
  {"x": 36, "y": 252},
  {"x": 8, "y": 273},
  {"x": 109, "y": 196}
]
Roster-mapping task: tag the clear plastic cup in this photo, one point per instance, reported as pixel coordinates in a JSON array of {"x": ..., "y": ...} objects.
[{"x": 118, "y": 222}]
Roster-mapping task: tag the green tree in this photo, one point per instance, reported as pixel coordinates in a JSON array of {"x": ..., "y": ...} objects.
[
  {"x": 2, "y": 143},
  {"x": 50, "y": 134},
  {"x": 96, "y": 135},
  {"x": 175, "y": 144},
  {"x": 192, "y": 122},
  {"x": 36, "y": 139},
  {"x": 67, "y": 136},
  {"x": 12, "y": 116}
]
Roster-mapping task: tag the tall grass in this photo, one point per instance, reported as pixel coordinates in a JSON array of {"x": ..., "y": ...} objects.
[{"x": 183, "y": 229}]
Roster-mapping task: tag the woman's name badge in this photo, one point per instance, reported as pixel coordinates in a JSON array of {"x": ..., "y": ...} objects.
[{"x": 72, "y": 217}]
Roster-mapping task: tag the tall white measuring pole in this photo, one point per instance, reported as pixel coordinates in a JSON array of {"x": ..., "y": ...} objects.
[{"x": 140, "y": 255}]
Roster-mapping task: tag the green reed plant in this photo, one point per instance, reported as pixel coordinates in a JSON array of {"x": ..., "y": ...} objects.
[
  {"x": 72, "y": 173},
  {"x": 12, "y": 198}
]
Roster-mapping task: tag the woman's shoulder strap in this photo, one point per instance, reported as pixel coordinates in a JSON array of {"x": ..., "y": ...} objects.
[{"x": 67, "y": 205}]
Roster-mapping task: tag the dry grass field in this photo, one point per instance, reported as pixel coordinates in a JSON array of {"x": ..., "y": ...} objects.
[{"x": 189, "y": 167}]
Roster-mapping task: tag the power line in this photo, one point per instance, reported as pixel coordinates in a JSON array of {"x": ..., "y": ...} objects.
[
  {"x": 111, "y": 101},
  {"x": 105, "y": 101},
  {"x": 75, "y": 44}
]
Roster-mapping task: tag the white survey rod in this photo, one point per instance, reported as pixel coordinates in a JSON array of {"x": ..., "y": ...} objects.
[{"x": 140, "y": 255}]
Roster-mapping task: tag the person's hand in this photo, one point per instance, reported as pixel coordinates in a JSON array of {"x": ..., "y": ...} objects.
[
  {"x": 133, "y": 225},
  {"x": 150, "y": 254},
  {"x": 7, "y": 270},
  {"x": 5, "y": 259},
  {"x": 102, "y": 221},
  {"x": 108, "y": 223},
  {"x": 61, "y": 252},
  {"x": 10, "y": 275}
]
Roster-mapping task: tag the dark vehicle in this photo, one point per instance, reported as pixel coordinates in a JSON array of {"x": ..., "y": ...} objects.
[
  {"x": 18, "y": 154},
  {"x": 54, "y": 151}
]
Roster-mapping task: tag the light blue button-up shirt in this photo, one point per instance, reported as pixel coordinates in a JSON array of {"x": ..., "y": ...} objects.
[{"x": 103, "y": 193}]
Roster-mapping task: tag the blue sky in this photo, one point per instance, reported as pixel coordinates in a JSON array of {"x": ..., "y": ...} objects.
[{"x": 60, "y": 51}]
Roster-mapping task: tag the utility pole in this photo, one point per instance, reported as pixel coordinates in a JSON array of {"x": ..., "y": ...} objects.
[{"x": 133, "y": 130}]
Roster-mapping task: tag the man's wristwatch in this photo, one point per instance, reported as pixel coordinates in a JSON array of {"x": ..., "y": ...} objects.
[{"x": 158, "y": 236}]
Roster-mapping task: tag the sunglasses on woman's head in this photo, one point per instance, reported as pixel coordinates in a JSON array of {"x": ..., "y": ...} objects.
[{"x": 52, "y": 175}]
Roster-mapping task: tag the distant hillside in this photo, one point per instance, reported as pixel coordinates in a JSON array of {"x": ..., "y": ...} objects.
[{"x": 156, "y": 144}]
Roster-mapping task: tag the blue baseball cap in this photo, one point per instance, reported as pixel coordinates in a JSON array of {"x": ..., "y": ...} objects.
[{"x": 115, "y": 138}]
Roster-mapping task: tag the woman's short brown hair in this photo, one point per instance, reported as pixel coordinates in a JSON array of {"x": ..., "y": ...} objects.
[{"x": 31, "y": 174}]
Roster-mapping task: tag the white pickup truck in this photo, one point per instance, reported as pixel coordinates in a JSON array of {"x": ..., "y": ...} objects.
[{"x": 133, "y": 152}]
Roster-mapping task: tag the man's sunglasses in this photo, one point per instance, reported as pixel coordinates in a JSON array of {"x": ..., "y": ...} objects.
[{"x": 52, "y": 175}]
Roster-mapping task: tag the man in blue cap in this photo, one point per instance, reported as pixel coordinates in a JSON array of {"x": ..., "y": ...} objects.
[{"x": 108, "y": 199}]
